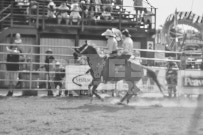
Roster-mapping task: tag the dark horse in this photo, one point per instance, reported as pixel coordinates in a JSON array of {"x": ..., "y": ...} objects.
[{"x": 115, "y": 69}]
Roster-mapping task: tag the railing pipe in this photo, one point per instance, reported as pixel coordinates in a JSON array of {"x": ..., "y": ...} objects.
[
  {"x": 37, "y": 19},
  {"x": 11, "y": 9}
]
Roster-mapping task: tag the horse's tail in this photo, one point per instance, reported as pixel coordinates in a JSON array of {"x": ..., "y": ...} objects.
[{"x": 153, "y": 75}]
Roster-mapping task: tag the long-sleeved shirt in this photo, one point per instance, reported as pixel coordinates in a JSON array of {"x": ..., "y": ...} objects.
[
  {"x": 112, "y": 45},
  {"x": 127, "y": 46}
]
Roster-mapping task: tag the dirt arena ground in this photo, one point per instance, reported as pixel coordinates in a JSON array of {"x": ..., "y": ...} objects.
[{"x": 76, "y": 116}]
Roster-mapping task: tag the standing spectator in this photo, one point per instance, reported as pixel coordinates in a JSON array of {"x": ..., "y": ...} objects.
[
  {"x": 51, "y": 9},
  {"x": 63, "y": 13},
  {"x": 58, "y": 78},
  {"x": 183, "y": 61},
  {"x": 111, "y": 42},
  {"x": 171, "y": 78},
  {"x": 19, "y": 42},
  {"x": 49, "y": 60},
  {"x": 75, "y": 14},
  {"x": 32, "y": 10},
  {"x": 12, "y": 66}
]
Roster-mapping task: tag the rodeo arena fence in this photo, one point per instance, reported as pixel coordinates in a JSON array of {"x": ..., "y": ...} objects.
[{"x": 33, "y": 79}]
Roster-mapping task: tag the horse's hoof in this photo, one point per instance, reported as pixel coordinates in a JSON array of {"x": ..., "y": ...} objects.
[{"x": 102, "y": 99}]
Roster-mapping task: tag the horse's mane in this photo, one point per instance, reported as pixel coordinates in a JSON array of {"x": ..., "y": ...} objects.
[{"x": 93, "y": 49}]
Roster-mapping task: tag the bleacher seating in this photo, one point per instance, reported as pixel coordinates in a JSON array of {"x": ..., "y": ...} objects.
[{"x": 120, "y": 16}]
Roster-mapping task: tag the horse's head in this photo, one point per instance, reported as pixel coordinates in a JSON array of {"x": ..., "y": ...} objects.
[{"x": 85, "y": 50}]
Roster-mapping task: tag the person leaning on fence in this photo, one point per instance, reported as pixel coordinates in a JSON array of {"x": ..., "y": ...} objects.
[
  {"x": 112, "y": 44},
  {"x": 49, "y": 59},
  {"x": 12, "y": 66},
  {"x": 171, "y": 78},
  {"x": 63, "y": 13},
  {"x": 59, "y": 76}
]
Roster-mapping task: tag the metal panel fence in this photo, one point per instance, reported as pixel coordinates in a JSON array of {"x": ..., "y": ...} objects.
[{"x": 32, "y": 73}]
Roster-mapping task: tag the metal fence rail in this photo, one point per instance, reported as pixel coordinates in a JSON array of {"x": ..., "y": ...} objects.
[{"x": 30, "y": 73}]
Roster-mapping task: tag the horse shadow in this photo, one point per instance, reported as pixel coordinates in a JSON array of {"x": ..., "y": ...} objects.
[{"x": 99, "y": 107}]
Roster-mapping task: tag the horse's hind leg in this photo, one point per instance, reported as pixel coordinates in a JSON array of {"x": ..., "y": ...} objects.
[
  {"x": 126, "y": 95},
  {"x": 133, "y": 92}
]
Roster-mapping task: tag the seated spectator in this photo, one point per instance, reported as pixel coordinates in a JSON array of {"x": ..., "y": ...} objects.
[
  {"x": 75, "y": 15},
  {"x": 106, "y": 15},
  {"x": 106, "y": 5},
  {"x": 63, "y": 13},
  {"x": 51, "y": 9},
  {"x": 138, "y": 5},
  {"x": 91, "y": 15},
  {"x": 97, "y": 6},
  {"x": 21, "y": 3}
]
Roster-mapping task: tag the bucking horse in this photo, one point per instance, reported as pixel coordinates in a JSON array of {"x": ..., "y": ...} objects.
[{"x": 115, "y": 68}]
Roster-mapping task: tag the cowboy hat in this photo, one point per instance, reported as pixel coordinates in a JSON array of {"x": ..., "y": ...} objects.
[
  {"x": 49, "y": 51},
  {"x": 75, "y": 7},
  {"x": 58, "y": 63},
  {"x": 108, "y": 32}
]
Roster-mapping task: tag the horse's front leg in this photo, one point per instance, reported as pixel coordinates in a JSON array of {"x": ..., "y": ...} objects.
[
  {"x": 129, "y": 94},
  {"x": 95, "y": 85}
]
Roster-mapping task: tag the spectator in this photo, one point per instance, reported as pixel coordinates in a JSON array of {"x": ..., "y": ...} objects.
[
  {"x": 91, "y": 16},
  {"x": 13, "y": 67},
  {"x": 75, "y": 15},
  {"x": 171, "y": 78},
  {"x": 49, "y": 60},
  {"x": 63, "y": 13},
  {"x": 106, "y": 5},
  {"x": 147, "y": 18},
  {"x": 17, "y": 39},
  {"x": 51, "y": 9},
  {"x": 97, "y": 6},
  {"x": 138, "y": 5},
  {"x": 58, "y": 78},
  {"x": 32, "y": 10},
  {"x": 106, "y": 15},
  {"x": 84, "y": 8}
]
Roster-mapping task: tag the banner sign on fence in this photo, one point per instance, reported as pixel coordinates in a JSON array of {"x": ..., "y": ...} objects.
[
  {"x": 76, "y": 79},
  {"x": 190, "y": 82}
]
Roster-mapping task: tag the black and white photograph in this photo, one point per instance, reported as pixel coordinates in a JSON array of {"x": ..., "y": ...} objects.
[{"x": 101, "y": 67}]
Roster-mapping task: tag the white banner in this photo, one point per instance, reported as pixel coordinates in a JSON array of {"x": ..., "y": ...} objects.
[
  {"x": 76, "y": 74},
  {"x": 190, "y": 82}
]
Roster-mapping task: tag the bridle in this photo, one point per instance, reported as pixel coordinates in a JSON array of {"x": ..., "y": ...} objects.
[{"x": 83, "y": 49}]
